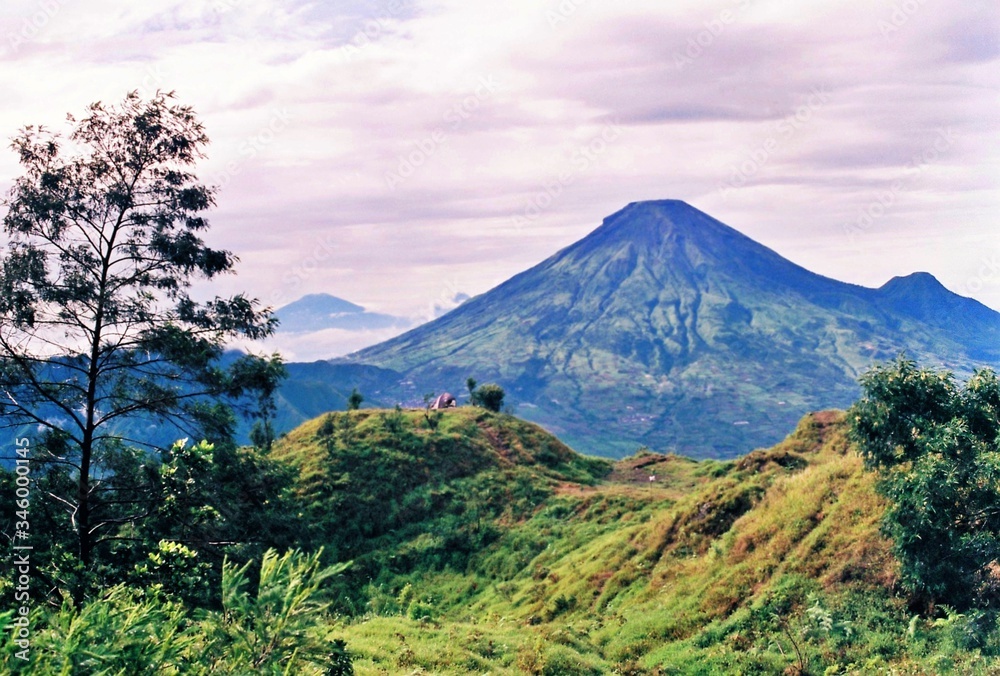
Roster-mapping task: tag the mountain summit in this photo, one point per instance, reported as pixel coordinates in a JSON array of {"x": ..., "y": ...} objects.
[
  {"x": 921, "y": 296},
  {"x": 667, "y": 328}
]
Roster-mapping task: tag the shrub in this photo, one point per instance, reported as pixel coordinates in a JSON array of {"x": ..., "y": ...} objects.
[
  {"x": 281, "y": 627},
  {"x": 355, "y": 400},
  {"x": 934, "y": 446},
  {"x": 489, "y": 396}
]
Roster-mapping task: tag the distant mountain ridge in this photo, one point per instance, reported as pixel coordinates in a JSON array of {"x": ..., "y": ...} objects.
[
  {"x": 921, "y": 296},
  {"x": 666, "y": 328}
]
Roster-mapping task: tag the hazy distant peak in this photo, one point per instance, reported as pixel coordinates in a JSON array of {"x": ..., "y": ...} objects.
[
  {"x": 321, "y": 311},
  {"x": 322, "y": 302}
]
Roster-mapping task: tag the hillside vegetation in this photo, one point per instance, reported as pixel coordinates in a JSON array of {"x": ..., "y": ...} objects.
[
  {"x": 471, "y": 542},
  {"x": 397, "y": 491},
  {"x": 481, "y": 544}
]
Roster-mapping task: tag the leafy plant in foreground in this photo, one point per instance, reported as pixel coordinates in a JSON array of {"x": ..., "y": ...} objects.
[
  {"x": 933, "y": 444},
  {"x": 279, "y": 627}
]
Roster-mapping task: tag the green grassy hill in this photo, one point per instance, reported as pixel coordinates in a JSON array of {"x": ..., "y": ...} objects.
[
  {"x": 397, "y": 491},
  {"x": 484, "y": 545}
]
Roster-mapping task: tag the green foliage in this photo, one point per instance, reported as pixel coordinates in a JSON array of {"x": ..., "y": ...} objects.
[
  {"x": 499, "y": 551},
  {"x": 125, "y": 631},
  {"x": 933, "y": 444},
  {"x": 262, "y": 434},
  {"x": 275, "y": 630},
  {"x": 196, "y": 504},
  {"x": 280, "y": 625},
  {"x": 202, "y": 496},
  {"x": 184, "y": 494},
  {"x": 489, "y": 396},
  {"x": 98, "y": 333},
  {"x": 393, "y": 420},
  {"x": 355, "y": 400},
  {"x": 176, "y": 570},
  {"x": 395, "y": 494},
  {"x": 420, "y": 610},
  {"x": 328, "y": 427}
]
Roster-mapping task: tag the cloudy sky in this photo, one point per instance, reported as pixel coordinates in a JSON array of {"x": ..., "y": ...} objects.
[{"x": 398, "y": 152}]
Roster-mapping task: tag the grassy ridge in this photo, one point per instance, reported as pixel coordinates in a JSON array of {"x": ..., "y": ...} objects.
[
  {"x": 397, "y": 491},
  {"x": 498, "y": 550}
]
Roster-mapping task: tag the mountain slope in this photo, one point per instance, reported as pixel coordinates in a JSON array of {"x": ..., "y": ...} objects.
[
  {"x": 922, "y": 297},
  {"x": 667, "y": 328}
]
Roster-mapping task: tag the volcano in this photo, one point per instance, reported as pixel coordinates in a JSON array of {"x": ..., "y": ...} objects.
[{"x": 668, "y": 329}]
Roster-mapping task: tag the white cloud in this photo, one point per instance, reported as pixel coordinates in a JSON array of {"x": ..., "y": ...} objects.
[
  {"x": 320, "y": 345},
  {"x": 362, "y": 89}
]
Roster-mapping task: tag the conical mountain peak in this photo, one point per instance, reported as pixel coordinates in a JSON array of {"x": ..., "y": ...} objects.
[
  {"x": 656, "y": 220},
  {"x": 669, "y": 209},
  {"x": 668, "y": 328},
  {"x": 672, "y": 239}
]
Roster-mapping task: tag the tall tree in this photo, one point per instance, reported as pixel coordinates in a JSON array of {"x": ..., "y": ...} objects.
[{"x": 98, "y": 330}]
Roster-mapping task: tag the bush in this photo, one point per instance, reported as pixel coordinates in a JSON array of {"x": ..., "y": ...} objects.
[
  {"x": 934, "y": 446},
  {"x": 420, "y": 610},
  {"x": 281, "y": 627},
  {"x": 489, "y": 396},
  {"x": 355, "y": 400}
]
